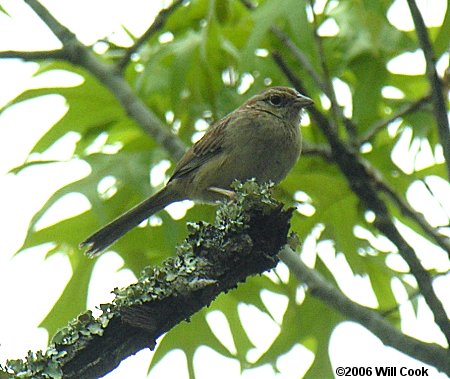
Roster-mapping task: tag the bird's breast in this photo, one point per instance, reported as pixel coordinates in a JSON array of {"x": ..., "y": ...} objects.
[{"x": 265, "y": 150}]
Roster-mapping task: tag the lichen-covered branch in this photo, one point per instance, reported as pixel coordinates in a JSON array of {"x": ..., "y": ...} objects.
[{"x": 247, "y": 235}]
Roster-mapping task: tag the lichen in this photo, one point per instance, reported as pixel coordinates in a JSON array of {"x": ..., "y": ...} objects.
[
  {"x": 191, "y": 269},
  {"x": 233, "y": 216},
  {"x": 36, "y": 365}
]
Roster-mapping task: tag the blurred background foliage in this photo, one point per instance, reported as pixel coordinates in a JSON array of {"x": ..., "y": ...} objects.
[{"x": 206, "y": 59}]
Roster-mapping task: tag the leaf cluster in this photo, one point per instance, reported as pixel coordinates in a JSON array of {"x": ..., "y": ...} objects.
[{"x": 205, "y": 60}]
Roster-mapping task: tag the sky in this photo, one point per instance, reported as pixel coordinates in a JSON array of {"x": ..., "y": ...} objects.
[{"x": 40, "y": 281}]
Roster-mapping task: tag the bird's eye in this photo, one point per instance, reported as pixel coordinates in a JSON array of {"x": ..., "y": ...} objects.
[{"x": 275, "y": 100}]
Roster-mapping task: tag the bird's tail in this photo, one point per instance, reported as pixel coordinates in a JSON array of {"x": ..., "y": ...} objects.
[{"x": 110, "y": 233}]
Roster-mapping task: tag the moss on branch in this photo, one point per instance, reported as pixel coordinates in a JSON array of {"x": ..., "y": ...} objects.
[{"x": 245, "y": 239}]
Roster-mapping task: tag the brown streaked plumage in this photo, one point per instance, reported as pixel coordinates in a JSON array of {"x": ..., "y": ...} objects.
[{"x": 260, "y": 139}]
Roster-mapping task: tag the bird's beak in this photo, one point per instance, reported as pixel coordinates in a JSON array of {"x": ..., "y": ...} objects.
[{"x": 304, "y": 101}]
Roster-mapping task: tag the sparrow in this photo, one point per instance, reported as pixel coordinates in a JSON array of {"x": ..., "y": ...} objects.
[{"x": 261, "y": 139}]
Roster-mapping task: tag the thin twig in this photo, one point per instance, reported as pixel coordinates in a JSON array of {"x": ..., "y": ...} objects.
[
  {"x": 440, "y": 109},
  {"x": 436, "y": 198},
  {"x": 348, "y": 161},
  {"x": 387, "y": 227},
  {"x": 337, "y": 114},
  {"x": 408, "y": 211},
  {"x": 430, "y": 353},
  {"x": 387, "y": 312},
  {"x": 403, "y": 111},
  {"x": 364, "y": 186},
  {"x": 362, "y": 183},
  {"x": 301, "y": 58},
  {"x": 308, "y": 67},
  {"x": 248, "y": 4},
  {"x": 414, "y": 295},
  {"x": 157, "y": 25},
  {"x": 33, "y": 55},
  {"x": 78, "y": 54},
  {"x": 322, "y": 151},
  {"x": 296, "y": 82}
]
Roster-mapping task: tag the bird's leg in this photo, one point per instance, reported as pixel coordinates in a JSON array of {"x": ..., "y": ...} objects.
[{"x": 224, "y": 192}]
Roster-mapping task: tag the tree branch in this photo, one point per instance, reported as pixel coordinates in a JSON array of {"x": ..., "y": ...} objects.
[
  {"x": 440, "y": 109},
  {"x": 429, "y": 353},
  {"x": 408, "y": 211},
  {"x": 78, "y": 54},
  {"x": 317, "y": 150},
  {"x": 302, "y": 59},
  {"x": 317, "y": 116},
  {"x": 157, "y": 24},
  {"x": 413, "y": 295},
  {"x": 245, "y": 240},
  {"x": 360, "y": 181},
  {"x": 325, "y": 153},
  {"x": 403, "y": 111},
  {"x": 33, "y": 55},
  {"x": 324, "y": 86},
  {"x": 337, "y": 114}
]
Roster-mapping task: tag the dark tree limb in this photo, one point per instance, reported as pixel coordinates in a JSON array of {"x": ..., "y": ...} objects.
[
  {"x": 157, "y": 25},
  {"x": 245, "y": 240},
  {"x": 297, "y": 83},
  {"x": 317, "y": 150},
  {"x": 411, "y": 297},
  {"x": 249, "y": 236},
  {"x": 408, "y": 211},
  {"x": 325, "y": 152},
  {"x": 216, "y": 263},
  {"x": 440, "y": 108},
  {"x": 302, "y": 59},
  {"x": 337, "y": 114},
  {"x": 429, "y": 353},
  {"x": 76, "y": 53},
  {"x": 361, "y": 181}
]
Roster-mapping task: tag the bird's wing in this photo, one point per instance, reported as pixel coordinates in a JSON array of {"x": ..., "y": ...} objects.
[{"x": 203, "y": 150}]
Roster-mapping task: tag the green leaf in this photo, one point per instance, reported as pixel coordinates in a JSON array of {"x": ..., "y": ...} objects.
[
  {"x": 442, "y": 39},
  {"x": 370, "y": 76},
  {"x": 336, "y": 207},
  {"x": 72, "y": 301},
  {"x": 198, "y": 333},
  {"x": 380, "y": 278},
  {"x": 262, "y": 19},
  {"x": 84, "y": 115},
  {"x": 365, "y": 30},
  {"x": 3, "y": 10},
  {"x": 188, "y": 336},
  {"x": 187, "y": 76},
  {"x": 310, "y": 324}
]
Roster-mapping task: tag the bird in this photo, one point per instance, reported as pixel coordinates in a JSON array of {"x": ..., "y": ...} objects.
[{"x": 261, "y": 139}]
